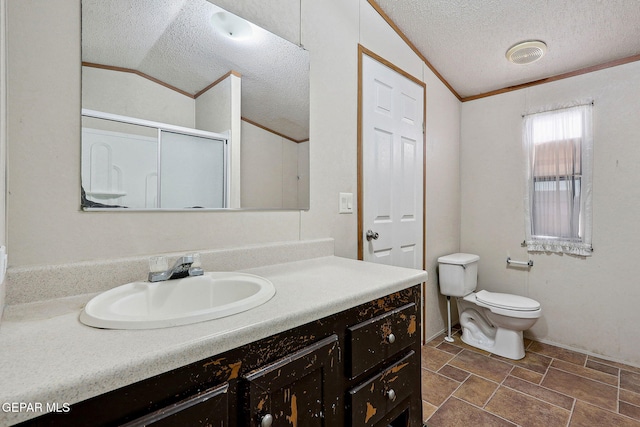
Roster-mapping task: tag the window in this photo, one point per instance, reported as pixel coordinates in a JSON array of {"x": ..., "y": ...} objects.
[{"x": 558, "y": 145}]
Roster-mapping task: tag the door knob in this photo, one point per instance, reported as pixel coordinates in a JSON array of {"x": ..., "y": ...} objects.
[{"x": 372, "y": 235}]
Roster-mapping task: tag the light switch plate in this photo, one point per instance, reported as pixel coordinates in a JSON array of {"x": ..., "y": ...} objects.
[{"x": 346, "y": 203}]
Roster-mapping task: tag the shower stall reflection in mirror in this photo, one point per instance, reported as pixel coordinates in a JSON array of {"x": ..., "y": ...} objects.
[{"x": 139, "y": 164}]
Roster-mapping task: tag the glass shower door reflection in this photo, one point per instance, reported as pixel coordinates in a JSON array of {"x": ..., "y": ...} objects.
[{"x": 192, "y": 171}]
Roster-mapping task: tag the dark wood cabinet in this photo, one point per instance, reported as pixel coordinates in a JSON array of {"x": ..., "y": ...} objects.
[
  {"x": 297, "y": 390},
  {"x": 359, "y": 367}
]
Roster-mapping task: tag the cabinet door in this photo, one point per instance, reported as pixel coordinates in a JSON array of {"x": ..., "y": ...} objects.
[
  {"x": 302, "y": 389},
  {"x": 209, "y": 408}
]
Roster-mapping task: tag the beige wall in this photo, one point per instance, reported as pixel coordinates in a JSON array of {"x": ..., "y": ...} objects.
[
  {"x": 303, "y": 173},
  {"x": 261, "y": 168},
  {"x": 213, "y": 108},
  {"x": 443, "y": 193},
  {"x": 130, "y": 95},
  {"x": 3, "y": 141},
  {"x": 46, "y": 226},
  {"x": 589, "y": 304}
]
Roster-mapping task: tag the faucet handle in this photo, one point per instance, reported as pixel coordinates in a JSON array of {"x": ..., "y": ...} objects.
[
  {"x": 158, "y": 264},
  {"x": 196, "y": 265},
  {"x": 196, "y": 271},
  {"x": 195, "y": 256}
]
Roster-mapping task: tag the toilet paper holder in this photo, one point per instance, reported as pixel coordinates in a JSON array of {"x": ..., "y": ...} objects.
[{"x": 523, "y": 263}]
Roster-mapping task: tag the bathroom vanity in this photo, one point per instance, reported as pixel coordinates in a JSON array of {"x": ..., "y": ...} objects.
[{"x": 339, "y": 345}]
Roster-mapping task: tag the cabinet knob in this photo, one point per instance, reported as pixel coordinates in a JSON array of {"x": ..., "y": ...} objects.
[
  {"x": 266, "y": 421},
  {"x": 391, "y": 338},
  {"x": 391, "y": 394}
]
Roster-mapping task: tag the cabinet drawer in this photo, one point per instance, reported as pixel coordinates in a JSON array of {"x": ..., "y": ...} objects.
[
  {"x": 206, "y": 408},
  {"x": 372, "y": 400},
  {"x": 299, "y": 389},
  {"x": 375, "y": 340}
]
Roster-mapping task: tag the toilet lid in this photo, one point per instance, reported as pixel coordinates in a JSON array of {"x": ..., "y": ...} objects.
[{"x": 507, "y": 301}]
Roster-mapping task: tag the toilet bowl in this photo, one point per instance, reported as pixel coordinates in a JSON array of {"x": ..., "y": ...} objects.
[
  {"x": 490, "y": 324},
  {"x": 490, "y": 321}
]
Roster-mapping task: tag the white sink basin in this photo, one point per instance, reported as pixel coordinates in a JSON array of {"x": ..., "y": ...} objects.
[{"x": 145, "y": 305}]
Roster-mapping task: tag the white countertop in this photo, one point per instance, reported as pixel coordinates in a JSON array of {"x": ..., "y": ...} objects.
[{"x": 48, "y": 356}]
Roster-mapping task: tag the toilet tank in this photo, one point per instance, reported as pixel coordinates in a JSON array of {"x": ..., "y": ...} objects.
[{"x": 458, "y": 274}]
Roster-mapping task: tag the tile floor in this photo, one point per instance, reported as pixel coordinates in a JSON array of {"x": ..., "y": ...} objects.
[{"x": 464, "y": 386}]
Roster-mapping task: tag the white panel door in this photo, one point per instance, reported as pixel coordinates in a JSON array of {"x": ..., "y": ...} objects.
[{"x": 392, "y": 147}]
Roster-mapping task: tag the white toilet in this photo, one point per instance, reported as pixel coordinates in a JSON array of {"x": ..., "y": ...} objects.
[{"x": 490, "y": 321}]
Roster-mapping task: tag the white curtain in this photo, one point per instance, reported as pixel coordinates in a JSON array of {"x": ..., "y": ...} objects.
[{"x": 558, "y": 146}]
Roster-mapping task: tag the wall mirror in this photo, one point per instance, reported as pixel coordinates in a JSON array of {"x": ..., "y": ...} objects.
[{"x": 187, "y": 106}]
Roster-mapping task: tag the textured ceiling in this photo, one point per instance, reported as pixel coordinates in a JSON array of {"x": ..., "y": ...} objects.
[
  {"x": 466, "y": 41},
  {"x": 173, "y": 41}
]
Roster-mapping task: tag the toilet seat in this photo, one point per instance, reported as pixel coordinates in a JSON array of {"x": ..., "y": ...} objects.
[
  {"x": 507, "y": 301},
  {"x": 506, "y": 304}
]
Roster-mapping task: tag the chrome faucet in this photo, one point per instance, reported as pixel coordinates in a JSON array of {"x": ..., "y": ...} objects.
[{"x": 183, "y": 267}]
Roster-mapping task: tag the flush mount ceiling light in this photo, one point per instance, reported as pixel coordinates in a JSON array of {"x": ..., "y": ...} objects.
[
  {"x": 526, "y": 52},
  {"x": 231, "y": 26}
]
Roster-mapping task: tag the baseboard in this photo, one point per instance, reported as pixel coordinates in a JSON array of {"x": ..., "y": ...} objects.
[
  {"x": 435, "y": 336},
  {"x": 582, "y": 351},
  {"x": 560, "y": 345}
]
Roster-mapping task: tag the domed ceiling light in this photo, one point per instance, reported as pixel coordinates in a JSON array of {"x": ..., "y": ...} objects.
[
  {"x": 231, "y": 26},
  {"x": 526, "y": 52}
]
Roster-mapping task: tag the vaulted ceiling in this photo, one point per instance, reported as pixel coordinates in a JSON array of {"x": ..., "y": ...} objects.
[
  {"x": 175, "y": 42},
  {"x": 463, "y": 41},
  {"x": 466, "y": 41}
]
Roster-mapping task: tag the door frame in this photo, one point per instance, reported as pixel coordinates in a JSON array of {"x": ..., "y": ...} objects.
[{"x": 360, "y": 199}]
